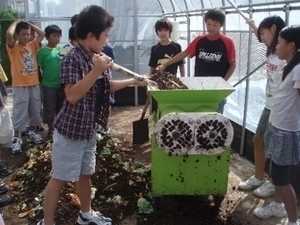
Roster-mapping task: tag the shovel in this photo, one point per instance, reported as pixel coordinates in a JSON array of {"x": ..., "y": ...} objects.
[
  {"x": 140, "y": 133},
  {"x": 140, "y": 128}
]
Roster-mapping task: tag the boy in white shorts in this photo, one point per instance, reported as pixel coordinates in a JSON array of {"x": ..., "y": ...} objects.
[{"x": 74, "y": 138}]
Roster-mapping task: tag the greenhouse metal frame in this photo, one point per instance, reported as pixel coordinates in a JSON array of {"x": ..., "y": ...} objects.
[{"x": 133, "y": 35}]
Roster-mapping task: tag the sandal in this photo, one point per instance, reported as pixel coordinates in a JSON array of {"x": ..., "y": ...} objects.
[
  {"x": 4, "y": 169},
  {"x": 3, "y": 188},
  {"x": 4, "y": 200}
]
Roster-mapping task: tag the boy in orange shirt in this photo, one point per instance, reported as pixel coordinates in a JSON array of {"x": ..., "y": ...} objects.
[{"x": 25, "y": 81}]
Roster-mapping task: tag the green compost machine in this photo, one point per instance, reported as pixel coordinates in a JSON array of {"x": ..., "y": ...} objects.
[{"x": 190, "y": 140}]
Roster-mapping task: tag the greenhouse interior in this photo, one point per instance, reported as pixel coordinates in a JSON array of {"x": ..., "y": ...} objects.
[{"x": 133, "y": 34}]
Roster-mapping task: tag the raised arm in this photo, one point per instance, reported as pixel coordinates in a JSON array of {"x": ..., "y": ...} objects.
[
  {"x": 39, "y": 31},
  {"x": 10, "y": 41},
  {"x": 251, "y": 23}
]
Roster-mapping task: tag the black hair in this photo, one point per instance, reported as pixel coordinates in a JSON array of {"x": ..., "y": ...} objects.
[
  {"x": 74, "y": 19},
  {"x": 291, "y": 34},
  {"x": 72, "y": 34},
  {"x": 93, "y": 19},
  {"x": 50, "y": 29},
  {"x": 164, "y": 23},
  {"x": 267, "y": 23},
  {"x": 21, "y": 25},
  {"x": 216, "y": 14}
]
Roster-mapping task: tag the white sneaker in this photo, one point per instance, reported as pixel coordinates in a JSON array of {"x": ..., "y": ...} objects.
[
  {"x": 251, "y": 183},
  {"x": 95, "y": 218},
  {"x": 34, "y": 137},
  {"x": 16, "y": 145},
  {"x": 273, "y": 209},
  {"x": 265, "y": 190},
  {"x": 297, "y": 223}
]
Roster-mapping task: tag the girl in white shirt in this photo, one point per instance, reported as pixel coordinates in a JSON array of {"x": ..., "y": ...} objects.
[
  {"x": 267, "y": 33},
  {"x": 282, "y": 136}
]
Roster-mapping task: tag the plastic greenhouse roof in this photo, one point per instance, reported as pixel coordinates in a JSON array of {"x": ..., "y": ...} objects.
[{"x": 176, "y": 6}]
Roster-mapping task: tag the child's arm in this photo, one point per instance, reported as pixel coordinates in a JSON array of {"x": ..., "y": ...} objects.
[
  {"x": 116, "y": 85},
  {"x": 251, "y": 23},
  {"x": 10, "y": 41},
  {"x": 152, "y": 70},
  {"x": 181, "y": 69},
  {"x": 76, "y": 91},
  {"x": 40, "y": 32},
  {"x": 180, "y": 56},
  {"x": 230, "y": 70}
]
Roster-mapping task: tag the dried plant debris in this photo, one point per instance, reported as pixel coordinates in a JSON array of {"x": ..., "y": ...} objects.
[
  {"x": 167, "y": 81},
  {"x": 121, "y": 190}
]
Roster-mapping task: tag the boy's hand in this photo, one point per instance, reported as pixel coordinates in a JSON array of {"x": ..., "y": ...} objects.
[
  {"x": 101, "y": 62},
  {"x": 160, "y": 68},
  {"x": 143, "y": 83}
]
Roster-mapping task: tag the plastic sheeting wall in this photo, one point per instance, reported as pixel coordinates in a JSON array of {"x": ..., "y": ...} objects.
[{"x": 133, "y": 35}]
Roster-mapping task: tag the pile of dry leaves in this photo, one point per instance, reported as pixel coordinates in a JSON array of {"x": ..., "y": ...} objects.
[{"x": 167, "y": 81}]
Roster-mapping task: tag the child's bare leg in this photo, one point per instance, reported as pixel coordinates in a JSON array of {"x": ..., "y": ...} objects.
[
  {"x": 52, "y": 193},
  {"x": 83, "y": 187}
]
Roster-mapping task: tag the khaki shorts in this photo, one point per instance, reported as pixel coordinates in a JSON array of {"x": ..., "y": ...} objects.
[{"x": 71, "y": 158}]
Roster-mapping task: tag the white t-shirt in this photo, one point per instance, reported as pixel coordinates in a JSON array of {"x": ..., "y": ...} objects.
[
  {"x": 285, "y": 114},
  {"x": 274, "y": 75}
]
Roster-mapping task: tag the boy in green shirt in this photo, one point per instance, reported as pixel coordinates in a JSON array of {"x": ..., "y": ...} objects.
[{"x": 48, "y": 58}]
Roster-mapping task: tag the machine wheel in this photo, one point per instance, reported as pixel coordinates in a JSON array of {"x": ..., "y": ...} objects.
[{"x": 157, "y": 202}]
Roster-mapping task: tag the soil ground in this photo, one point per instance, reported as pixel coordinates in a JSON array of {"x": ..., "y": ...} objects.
[{"x": 236, "y": 208}]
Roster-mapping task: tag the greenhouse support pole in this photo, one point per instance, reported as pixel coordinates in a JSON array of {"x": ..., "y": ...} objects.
[
  {"x": 247, "y": 89},
  {"x": 135, "y": 50},
  {"x": 188, "y": 20},
  {"x": 287, "y": 9},
  {"x": 26, "y": 9}
]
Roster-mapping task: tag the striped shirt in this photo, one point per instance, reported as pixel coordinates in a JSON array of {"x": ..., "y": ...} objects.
[{"x": 77, "y": 121}]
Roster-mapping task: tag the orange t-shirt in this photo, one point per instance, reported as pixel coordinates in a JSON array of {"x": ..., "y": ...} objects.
[{"x": 24, "y": 69}]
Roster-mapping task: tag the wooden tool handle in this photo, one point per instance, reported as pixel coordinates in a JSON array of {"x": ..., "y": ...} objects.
[
  {"x": 147, "y": 103},
  {"x": 127, "y": 72}
]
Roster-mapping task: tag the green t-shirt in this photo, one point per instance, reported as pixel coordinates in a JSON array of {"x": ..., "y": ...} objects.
[{"x": 48, "y": 59}]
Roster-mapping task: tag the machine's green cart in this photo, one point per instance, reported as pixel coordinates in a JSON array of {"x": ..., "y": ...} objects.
[{"x": 190, "y": 140}]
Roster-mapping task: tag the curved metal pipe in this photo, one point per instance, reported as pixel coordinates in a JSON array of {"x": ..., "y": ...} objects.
[
  {"x": 161, "y": 6},
  {"x": 173, "y": 7}
]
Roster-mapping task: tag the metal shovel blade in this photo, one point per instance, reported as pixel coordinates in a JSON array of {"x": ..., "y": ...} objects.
[
  {"x": 140, "y": 128},
  {"x": 140, "y": 133}
]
